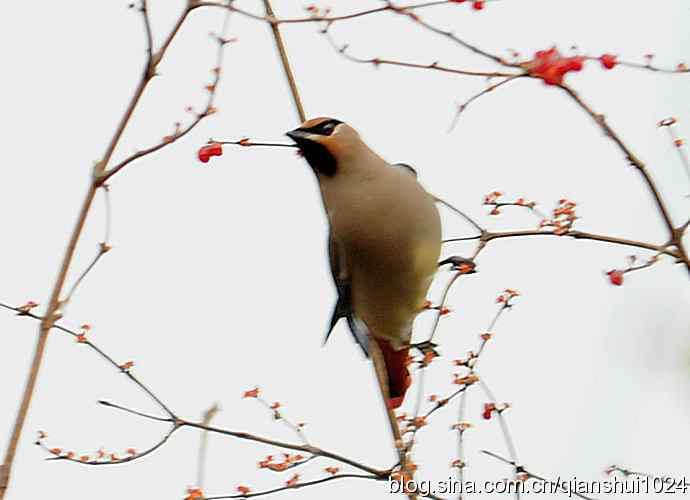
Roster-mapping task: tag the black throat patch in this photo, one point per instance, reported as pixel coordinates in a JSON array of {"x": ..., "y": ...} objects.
[{"x": 318, "y": 157}]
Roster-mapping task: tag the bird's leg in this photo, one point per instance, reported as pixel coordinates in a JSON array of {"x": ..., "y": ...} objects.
[
  {"x": 425, "y": 347},
  {"x": 459, "y": 264}
]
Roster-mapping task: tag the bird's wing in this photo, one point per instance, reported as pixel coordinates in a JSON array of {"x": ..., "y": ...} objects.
[{"x": 343, "y": 305}]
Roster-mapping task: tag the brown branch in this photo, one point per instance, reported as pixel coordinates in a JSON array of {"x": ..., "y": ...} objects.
[
  {"x": 520, "y": 469},
  {"x": 108, "y": 459},
  {"x": 627, "y": 472},
  {"x": 462, "y": 214},
  {"x": 177, "y": 422},
  {"x": 581, "y": 235},
  {"x": 434, "y": 66},
  {"x": 55, "y": 304},
  {"x": 246, "y": 143},
  {"x": 600, "y": 120},
  {"x": 471, "y": 363},
  {"x": 178, "y": 134},
  {"x": 307, "y": 448},
  {"x": 675, "y": 234},
  {"x": 462, "y": 107},
  {"x": 501, "y": 419},
  {"x": 278, "y": 415},
  {"x": 677, "y": 142},
  {"x": 646, "y": 66},
  {"x": 298, "y": 486},
  {"x": 203, "y": 444},
  {"x": 382, "y": 379},
  {"x": 102, "y": 250},
  {"x": 454, "y": 38},
  {"x": 280, "y": 45},
  {"x": 271, "y": 19}
]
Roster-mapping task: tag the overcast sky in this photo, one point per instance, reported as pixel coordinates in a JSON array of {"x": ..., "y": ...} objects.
[{"x": 218, "y": 280}]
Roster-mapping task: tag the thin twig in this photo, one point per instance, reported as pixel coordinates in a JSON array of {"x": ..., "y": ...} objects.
[
  {"x": 297, "y": 486},
  {"x": 178, "y": 134},
  {"x": 462, "y": 214},
  {"x": 271, "y": 19},
  {"x": 111, "y": 459},
  {"x": 53, "y": 312},
  {"x": 490, "y": 88},
  {"x": 135, "y": 412},
  {"x": 382, "y": 379},
  {"x": 203, "y": 444},
  {"x": 580, "y": 235},
  {"x": 245, "y": 143},
  {"x": 455, "y": 39},
  {"x": 522, "y": 469},
  {"x": 280, "y": 45},
  {"x": 434, "y": 66},
  {"x": 314, "y": 450},
  {"x": 678, "y": 143}
]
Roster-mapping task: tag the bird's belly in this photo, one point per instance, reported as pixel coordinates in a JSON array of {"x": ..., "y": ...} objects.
[
  {"x": 391, "y": 273},
  {"x": 390, "y": 233}
]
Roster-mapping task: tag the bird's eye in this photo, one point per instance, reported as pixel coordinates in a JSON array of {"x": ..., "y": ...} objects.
[
  {"x": 328, "y": 128},
  {"x": 324, "y": 128}
]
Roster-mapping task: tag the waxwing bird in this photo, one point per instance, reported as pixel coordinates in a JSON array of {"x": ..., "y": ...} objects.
[{"x": 384, "y": 241}]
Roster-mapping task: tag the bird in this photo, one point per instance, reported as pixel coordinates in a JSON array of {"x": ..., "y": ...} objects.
[{"x": 383, "y": 244}]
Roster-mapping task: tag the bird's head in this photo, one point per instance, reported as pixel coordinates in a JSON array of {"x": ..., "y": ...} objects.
[{"x": 325, "y": 142}]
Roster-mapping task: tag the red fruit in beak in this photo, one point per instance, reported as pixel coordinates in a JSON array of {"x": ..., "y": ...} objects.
[
  {"x": 615, "y": 277},
  {"x": 205, "y": 152}
]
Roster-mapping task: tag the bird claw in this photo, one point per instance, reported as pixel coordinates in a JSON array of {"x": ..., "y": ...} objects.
[
  {"x": 425, "y": 347},
  {"x": 457, "y": 263}
]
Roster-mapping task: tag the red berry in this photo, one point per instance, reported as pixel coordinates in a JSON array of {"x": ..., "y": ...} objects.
[
  {"x": 213, "y": 149},
  {"x": 576, "y": 63},
  {"x": 608, "y": 61},
  {"x": 478, "y": 4},
  {"x": 615, "y": 277}
]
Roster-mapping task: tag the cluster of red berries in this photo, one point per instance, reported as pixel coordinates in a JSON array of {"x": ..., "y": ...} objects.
[
  {"x": 209, "y": 150},
  {"x": 551, "y": 66},
  {"x": 476, "y": 4}
]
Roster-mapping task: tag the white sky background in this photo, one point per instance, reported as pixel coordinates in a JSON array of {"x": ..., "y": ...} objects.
[{"x": 219, "y": 281}]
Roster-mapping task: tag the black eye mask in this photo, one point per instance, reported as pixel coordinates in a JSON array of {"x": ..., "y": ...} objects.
[
  {"x": 324, "y": 128},
  {"x": 317, "y": 155}
]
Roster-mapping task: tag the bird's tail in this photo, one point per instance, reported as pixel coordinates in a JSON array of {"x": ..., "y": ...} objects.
[{"x": 399, "y": 379}]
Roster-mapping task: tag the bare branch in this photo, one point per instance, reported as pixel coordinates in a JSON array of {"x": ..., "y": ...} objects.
[
  {"x": 297, "y": 486},
  {"x": 271, "y": 19}
]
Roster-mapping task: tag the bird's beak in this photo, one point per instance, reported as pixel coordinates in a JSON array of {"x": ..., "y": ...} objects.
[{"x": 298, "y": 135}]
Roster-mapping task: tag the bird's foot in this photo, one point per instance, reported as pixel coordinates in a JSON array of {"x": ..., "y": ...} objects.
[
  {"x": 457, "y": 263},
  {"x": 425, "y": 347}
]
